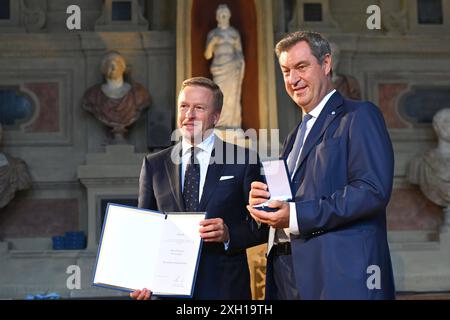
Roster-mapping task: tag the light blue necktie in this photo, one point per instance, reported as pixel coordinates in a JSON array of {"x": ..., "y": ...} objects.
[{"x": 298, "y": 143}]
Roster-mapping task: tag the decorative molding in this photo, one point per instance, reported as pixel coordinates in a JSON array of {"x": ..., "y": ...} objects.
[
  {"x": 328, "y": 24},
  {"x": 106, "y": 23},
  {"x": 395, "y": 17},
  {"x": 34, "y": 18},
  {"x": 436, "y": 44},
  {"x": 25, "y": 17},
  {"x": 64, "y": 79},
  {"x": 411, "y": 79},
  {"x": 388, "y": 102},
  {"x": 14, "y": 23},
  {"x": 438, "y": 30},
  {"x": 413, "y": 134}
]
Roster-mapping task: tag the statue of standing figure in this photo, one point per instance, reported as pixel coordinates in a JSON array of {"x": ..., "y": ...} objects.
[
  {"x": 431, "y": 171},
  {"x": 116, "y": 103},
  {"x": 223, "y": 44}
]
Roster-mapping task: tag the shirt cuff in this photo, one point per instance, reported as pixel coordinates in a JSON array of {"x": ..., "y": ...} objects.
[{"x": 293, "y": 223}]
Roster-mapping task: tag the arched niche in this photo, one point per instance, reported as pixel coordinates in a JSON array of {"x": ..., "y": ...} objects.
[{"x": 253, "y": 19}]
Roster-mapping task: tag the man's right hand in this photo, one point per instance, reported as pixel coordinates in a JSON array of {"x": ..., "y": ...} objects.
[
  {"x": 143, "y": 294},
  {"x": 258, "y": 193}
]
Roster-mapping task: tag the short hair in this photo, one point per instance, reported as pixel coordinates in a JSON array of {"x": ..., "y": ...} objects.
[
  {"x": 318, "y": 44},
  {"x": 112, "y": 55},
  {"x": 208, "y": 84}
]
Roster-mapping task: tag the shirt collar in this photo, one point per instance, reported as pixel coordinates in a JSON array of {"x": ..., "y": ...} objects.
[
  {"x": 316, "y": 111},
  {"x": 205, "y": 145}
]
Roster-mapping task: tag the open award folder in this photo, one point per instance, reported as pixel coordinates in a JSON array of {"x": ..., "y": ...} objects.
[
  {"x": 277, "y": 179},
  {"x": 140, "y": 249}
]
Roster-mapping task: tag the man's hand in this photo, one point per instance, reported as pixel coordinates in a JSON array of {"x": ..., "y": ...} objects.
[
  {"x": 214, "y": 230},
  {"x": 143, "y": 294},
  {"x": 258, "y": 193},
  {"x": 278, "y": 219}
]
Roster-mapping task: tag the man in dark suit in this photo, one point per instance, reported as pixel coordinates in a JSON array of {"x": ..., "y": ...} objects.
[
  {"x": 330, "y": 242},
  {"x": 202, "y": 173}
]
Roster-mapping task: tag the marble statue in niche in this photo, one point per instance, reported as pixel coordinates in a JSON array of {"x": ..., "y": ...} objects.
[
  {"x": 224, "y": 47},
  {"x": 116, "y": 102},
  {"x": 431, "y": 170}
]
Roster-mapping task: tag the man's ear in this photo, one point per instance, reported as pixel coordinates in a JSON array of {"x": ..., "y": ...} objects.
[
  {"x": 216, "y": 118},
  {"x": 327, "y": 64}
]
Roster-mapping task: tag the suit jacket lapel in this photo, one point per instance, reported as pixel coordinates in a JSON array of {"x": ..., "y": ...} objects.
[
  {"x": 326, "y": 116},
  {"x": 213, "y": 174},
  {"x": 174, "y": 173}
]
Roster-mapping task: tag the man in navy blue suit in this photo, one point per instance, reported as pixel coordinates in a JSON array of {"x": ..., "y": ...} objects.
[
  {"x": 202, "y": 173},
  {"x": 330, "y": 242}
]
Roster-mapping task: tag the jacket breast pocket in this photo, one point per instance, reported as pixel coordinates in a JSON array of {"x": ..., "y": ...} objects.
[{"x": 227, "y": 182}]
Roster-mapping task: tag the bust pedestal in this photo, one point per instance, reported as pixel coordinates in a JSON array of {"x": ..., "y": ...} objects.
[{"x": 110, "y": 175}]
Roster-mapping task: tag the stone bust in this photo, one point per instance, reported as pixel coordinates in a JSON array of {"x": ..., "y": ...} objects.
[
  {"x": 431, "y": 171},
  {"x": 347, "y": 85},
  {"x": 224, "y": 46},
  {"x": 14, "y": 176},
  {"x": 116, "y": 103}
]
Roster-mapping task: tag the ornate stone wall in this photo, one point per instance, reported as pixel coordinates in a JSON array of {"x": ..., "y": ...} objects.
[{"x": 53, "y": 67}]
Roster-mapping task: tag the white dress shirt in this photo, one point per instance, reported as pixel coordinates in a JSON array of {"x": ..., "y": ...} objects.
[{"x": 203, "y": 158}]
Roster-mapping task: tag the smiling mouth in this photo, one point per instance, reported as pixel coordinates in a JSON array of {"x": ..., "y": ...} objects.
[
  {"x": 300, "y": 89},
  {"x": 190, "y": 127}
]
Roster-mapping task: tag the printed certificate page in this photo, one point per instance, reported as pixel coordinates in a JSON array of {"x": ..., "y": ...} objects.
[
  {"x": 142, "y": 249},
  {"x": 178, "y": 255}
]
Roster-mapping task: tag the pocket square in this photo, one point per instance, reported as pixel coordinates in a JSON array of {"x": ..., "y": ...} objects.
[{"x": 222, "y": 178}]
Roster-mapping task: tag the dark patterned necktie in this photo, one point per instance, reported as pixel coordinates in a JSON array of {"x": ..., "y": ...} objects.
[{"x": 192, "y": 183}]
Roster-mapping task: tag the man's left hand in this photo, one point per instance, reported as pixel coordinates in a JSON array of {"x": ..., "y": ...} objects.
[
  {"x": 214, "y": 230},
  {"x": 278, "y": 219}
]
